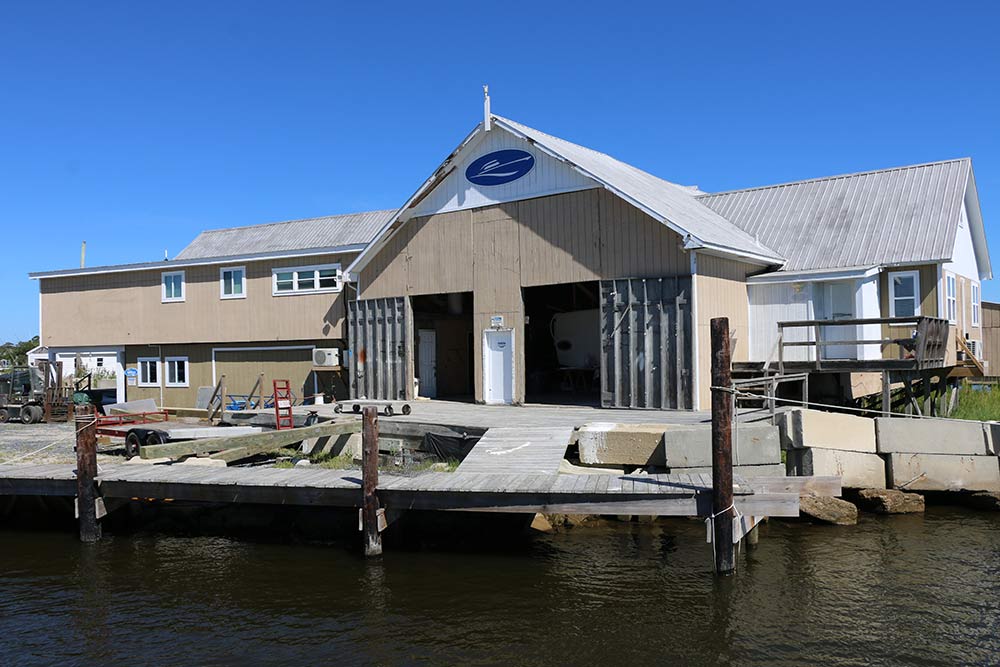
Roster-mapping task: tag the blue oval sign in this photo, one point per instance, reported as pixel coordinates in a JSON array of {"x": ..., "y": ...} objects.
[{"x": 500, "y": 167}]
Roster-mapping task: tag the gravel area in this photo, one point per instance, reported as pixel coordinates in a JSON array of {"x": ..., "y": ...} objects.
[{"x": 19, "y": 440}]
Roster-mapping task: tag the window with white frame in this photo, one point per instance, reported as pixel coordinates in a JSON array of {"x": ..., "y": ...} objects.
[
  {"x": 149, "y": 371},
  {"x": 306, "y": 280},
  {"x": 173, "y": 286},
  {"x": 951, "y": 297},
  {"x": 975, "y": 304},
  {"x": 232, "y": 282},
  {"x": 176, "y": 371},
  {"x": 904, "y": 294}
]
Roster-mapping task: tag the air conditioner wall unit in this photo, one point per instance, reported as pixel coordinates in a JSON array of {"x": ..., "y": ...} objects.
[{"x": 326, "y": 357}]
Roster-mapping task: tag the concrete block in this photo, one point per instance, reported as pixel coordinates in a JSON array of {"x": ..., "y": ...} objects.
[
  {"x": 767, "y": 470},
  {"x": 826, "y": 430},
  {"x": 992, "y": 437},
  {"x": 203, "y": 461},
  {"x": 857, "y": 470},
  {"x": 672, "y": 445},
  {"x": 131, "y": 407},
  {"x": 930, "y": 436},
  {"x": 943, "y": 472}
]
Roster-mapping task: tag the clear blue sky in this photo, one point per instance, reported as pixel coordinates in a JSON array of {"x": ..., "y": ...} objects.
[{"x": 136, "y": 125}]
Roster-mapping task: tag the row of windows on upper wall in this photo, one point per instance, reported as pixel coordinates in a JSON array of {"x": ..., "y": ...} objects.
[
  {"x": 904, "y": 296},
  {"x": 285, "y": 281},
  {"x": 175, "y": 369}
]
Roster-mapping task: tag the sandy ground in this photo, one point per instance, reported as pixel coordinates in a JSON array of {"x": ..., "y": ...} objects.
[{"x": 20, "y": 443}]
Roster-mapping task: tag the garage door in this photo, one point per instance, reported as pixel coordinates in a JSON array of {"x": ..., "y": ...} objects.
[{"x": 242, "y": 367}]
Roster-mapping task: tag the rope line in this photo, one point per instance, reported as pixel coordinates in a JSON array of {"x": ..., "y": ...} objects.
[
  {"x": 801, "y": 403},
  {"x": 51, "y": 444}
]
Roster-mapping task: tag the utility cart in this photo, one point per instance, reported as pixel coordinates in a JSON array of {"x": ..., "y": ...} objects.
[{"x": 388, "y": 408}]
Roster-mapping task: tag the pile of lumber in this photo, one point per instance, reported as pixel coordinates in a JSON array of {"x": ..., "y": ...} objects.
[{"x": 234, "y": 448}]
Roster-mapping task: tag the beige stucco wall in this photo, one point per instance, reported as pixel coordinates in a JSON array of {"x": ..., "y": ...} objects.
[{"x": 125, "y": 308}]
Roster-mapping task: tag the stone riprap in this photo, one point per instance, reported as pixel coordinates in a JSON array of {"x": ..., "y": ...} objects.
[
  {"x": 827, "y": 430},
  {"x": 828, "y": 510},
  {"x": 890, "y": 501}
]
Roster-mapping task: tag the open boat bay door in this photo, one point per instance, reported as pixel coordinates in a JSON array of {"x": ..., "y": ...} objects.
[
  {"x": 646, "y": 341},
  {"x": 380, "y": 348}
]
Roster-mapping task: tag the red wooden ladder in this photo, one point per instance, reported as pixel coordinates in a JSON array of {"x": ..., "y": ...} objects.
[{"x": 283, "y": 405}]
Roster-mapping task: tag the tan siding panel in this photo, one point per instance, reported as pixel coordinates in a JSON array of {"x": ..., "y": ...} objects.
[
  {"x": 721, "y": 292},
  {"x": 928, "y": 299},
  {"x": 126, "y": 308}
]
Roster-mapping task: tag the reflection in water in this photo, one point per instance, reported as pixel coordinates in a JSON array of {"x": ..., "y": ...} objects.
[{"x": 905, "y": 590}]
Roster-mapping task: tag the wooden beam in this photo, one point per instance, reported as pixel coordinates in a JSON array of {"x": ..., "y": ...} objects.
[
  {"x": 254, "y": 443},
  {"x": 86, "y": 472},
  {"x": 722, "y": 448}
]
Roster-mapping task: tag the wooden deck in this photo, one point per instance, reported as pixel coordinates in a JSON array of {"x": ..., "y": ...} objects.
[
  {"x": 516, "y": 450},
  {"x": 659, "y": 495}
]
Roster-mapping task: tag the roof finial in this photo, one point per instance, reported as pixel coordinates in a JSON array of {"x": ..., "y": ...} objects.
[{"x": 486, "y": 108}]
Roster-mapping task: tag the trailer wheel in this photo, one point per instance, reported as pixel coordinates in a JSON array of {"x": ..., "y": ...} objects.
[
  {"x": 4, "y": 415},
  {"x": 338, "y": 408},
  {"x": 407, "y": 409},
  {"x": 388, "y": 411},
  {"x": 155, "y": 438},
  {"x": 132, "y": 445},
  {"x": 357, "y": 408},
  {"x": 31, "y": 414}
]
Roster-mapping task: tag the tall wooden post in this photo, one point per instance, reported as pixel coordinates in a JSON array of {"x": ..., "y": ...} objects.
[
  {"x": 86, "y": 472},
  {"x": 369, "y": 482},
  {"x": 722, "y": 449}
]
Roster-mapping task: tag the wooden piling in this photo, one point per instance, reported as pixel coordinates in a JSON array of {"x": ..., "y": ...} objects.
[
  {"x": 86, "y": 472},
  {"x": 369, "y": 482},
  {"x": 722, "y": 448}
]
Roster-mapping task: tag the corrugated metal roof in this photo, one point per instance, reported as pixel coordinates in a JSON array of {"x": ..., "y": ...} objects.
[
  {"x": 676, "y": 205},
  {"x": 890, "y": 216},
  {"x": 326, "y": 232}
]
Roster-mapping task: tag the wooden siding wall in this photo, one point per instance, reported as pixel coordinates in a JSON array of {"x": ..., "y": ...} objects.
[
  {"x": 241, "y": 369},
  {"x": 991, "y": 337},
  {"x": 721, "y": 291},
  {"x": 126, "y": 308},
  {"x": 928, "y": 299},
  {"x": 496, "y": 250}
]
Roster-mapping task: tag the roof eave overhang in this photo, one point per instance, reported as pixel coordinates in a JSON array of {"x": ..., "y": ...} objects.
[
  {"x": 814, "y": 275},
  {"x": 977, "y": 227},
  {"x": 200, "y": 261}
]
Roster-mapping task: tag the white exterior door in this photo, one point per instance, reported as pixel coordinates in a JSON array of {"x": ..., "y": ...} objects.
[
  {"x": 498, "y": 366},
  {"x": 839, "y": 305},
  {"x": 427, "y": 340}
]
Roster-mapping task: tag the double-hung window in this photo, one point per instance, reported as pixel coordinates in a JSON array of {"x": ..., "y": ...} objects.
[
  {"x": 904, "y": 294},
  {"x": 149, "y": 371},
  {"x": 975, "y": 304},
  {"x": 306, "y": 280},
  {"x": 232, "y": 282},
  {"x": 951, "y": 297},
  {"x": 172, "y": 284},
  {"x": 176, "y": 371}
]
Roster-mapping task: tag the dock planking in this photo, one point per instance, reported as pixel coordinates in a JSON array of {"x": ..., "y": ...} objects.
[
  {"x": 659, "y": 494},
  {"x": 518, "y": 450}
]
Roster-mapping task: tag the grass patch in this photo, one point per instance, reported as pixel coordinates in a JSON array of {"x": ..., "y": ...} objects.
[{"x": 982, "y": 404}]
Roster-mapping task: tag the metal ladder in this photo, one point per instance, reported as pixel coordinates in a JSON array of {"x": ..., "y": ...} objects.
[{"x": 283, "y": 405}]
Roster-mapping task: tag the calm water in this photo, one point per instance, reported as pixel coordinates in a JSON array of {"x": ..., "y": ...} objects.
[{"x": 904, "y": 590}]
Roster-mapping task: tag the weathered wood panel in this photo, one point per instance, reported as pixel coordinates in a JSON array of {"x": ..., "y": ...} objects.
[
  {"x": 126, "y": 308},
  {"x": 928, "y": 300},
  {"x": 560, "y": 238},
  {"x": 646, "y": 358},
  {"x": 991, "y": 337}
]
